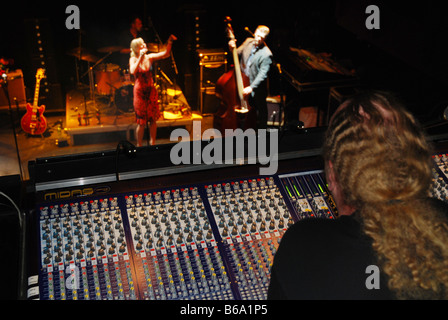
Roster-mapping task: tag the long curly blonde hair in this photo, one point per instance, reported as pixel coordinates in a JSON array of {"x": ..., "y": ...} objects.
[{"x": 382, "y": 162}]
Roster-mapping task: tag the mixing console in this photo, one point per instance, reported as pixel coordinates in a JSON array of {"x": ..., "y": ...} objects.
[{"x": 211, "y": 241}]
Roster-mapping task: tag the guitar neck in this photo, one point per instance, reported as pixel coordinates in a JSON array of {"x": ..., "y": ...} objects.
[
  {"x": 36, "y": 95},
  {"x": 238, "y": 75}
]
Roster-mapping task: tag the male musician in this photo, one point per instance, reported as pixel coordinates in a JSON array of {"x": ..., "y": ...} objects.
[
  {"x": 134, "y": 31},
  {"x": 255, "y": 61}
]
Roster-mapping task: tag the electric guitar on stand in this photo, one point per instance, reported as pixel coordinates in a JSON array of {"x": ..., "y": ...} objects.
[{"x": 34, "y": 122}]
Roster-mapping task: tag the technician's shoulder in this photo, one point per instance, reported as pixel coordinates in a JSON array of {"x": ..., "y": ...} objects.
[
  {"x": 306, "y": 228},
  {"x": 312, "y": 224}
]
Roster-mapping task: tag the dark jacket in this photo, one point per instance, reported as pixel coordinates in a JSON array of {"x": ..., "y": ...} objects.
[{"x": 260, "y": 63}]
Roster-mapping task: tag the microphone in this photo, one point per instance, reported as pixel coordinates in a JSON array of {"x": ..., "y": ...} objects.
[
  {"x": 248, "y": 30},
  {"x": 279, "y": 67},
  {"x": 5, "y": 78}
]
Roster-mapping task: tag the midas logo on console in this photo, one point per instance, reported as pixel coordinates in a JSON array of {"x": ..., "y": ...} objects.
[{"x": 64, "y": 194}]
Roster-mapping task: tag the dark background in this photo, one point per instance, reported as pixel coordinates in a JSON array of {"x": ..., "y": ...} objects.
[{"x": 406, "y": 55}]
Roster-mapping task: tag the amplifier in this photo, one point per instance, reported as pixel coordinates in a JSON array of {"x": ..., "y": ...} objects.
[
  {"x": 276, "y": 115},
  {"x": 16, "y": 89},
  {"x": 212, "y": 56},
  {"x": 212, "y": 64}
]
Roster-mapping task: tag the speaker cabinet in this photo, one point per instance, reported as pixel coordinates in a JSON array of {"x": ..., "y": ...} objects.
[
  {"x": 276, "y": 115},
  {"x": 16, "y": 90},
  {"x": 210, "y": 103},
  {"x": 212, "y": 65}
]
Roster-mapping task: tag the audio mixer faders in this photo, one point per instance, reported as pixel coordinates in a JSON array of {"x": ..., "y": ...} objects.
[
  {"x": 84, "y": 252},
  {"x": 211, "y": 241},
  {"x": 177, "y": 256}
]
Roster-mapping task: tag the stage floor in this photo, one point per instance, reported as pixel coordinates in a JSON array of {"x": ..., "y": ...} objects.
[{"x": 56, "y": 141}]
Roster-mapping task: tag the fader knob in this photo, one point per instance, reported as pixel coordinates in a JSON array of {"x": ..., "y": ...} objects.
[
  {"x": 209, "y": 235},
  {"x": 47, "y": 259},
  {"x": 253, "y": 227},
  {"x": 58, "y": 258},
  {"x": 281, "y": 224}
]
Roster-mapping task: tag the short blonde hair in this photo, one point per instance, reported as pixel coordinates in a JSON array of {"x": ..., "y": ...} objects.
[
  {"x": 264, "y": 30},
  {"x": 135, "y": 47}
]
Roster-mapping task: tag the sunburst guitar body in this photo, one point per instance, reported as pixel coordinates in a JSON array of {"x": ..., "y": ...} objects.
[{"x": 33, "y": 122}]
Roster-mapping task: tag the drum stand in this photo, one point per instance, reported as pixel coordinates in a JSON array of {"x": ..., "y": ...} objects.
[{"x": 92, "y": 89}]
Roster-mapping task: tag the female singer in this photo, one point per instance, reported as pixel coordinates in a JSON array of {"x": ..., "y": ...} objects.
[{"x": 146, "y": 104}]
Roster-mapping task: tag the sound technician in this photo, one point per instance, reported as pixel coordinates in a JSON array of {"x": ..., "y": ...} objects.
[{"x": 379, "y": 170}]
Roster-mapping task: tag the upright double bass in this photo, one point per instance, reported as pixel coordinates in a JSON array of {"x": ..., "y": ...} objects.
[{"x": 234, "y": 110}]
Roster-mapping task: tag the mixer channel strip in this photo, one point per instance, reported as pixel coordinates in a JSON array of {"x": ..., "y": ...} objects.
[
  {"x": 308, "y": 195},
  {"x": 214, "y": 241},
  {"x": 251, "y": 217},
  {"x": 177, "y": 256},
  {"x": 440, "y": 177},
  {"x": 84, "y": 252}
]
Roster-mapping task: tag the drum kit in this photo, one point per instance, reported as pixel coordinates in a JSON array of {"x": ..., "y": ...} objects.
[{"x": 111, "y": 85}]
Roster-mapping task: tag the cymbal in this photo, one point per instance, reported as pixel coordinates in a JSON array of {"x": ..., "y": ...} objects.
[
  {"x": 85, "y": 54},
  {"x": 110, "y": 49},
  {"x": 155, "y": 47}
]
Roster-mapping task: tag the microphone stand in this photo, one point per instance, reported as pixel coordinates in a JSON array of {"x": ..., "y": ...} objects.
[
  {"x": 5, "y": 89},
  {"x": 173, "y": 61}
]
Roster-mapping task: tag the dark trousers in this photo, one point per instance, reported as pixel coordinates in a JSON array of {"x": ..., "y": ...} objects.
[{"x": 258, "y": 101}]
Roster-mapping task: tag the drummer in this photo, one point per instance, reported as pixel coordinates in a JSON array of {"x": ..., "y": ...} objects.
[{"x": 134, "y": 31}]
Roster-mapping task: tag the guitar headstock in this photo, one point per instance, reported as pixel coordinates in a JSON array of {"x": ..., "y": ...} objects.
[
  {"x": 230, "y": 32},
  {"x": 40, "y": 74}
]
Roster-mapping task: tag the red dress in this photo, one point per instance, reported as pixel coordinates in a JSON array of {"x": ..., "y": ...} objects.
[{"x": 146, "y": 104}]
